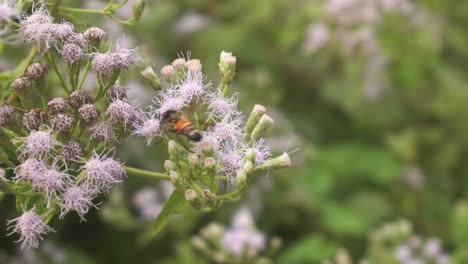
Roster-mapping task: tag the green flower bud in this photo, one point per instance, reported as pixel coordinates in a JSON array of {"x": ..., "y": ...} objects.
[
  {"x": 176, "y": 180},
  {"x": 263, "y": 124},
  {"x": 248, "y": 167},
  {"x": 172, "y": 149},
  {"x": 227, "y": 66},
  {"x": 138, "y": 8},
  {"x": 199, "y": 243},
  {"x": 169, "y": 73},
  {"x": 193, "y": 159},
  {"x": 193, "y": 199},
  {"x": 212, "y": 231},
  {"x": 279, "y": 162},
  {"x": 168, "y": 165},
  {"x": 209, "y": 162},
  {"x": 254, "y": 117},
  {"x": 250, "y": 156},
  {"x": 151, "y": 78},
  {"x": 179, "y": 67},
  {"x": 209, "y": 198},
  {"x": 207, "y": 148},
  {"x": 241, "y": 180}
]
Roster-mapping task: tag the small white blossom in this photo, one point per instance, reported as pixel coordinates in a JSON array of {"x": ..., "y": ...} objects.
[
  {"x": 38, "y": 144},
  {"x": 78, "y": 199},
  {"x": 148, "y": 128},
  {"x": 102, "y": 131},
  {"x": 31, "y": 227},
  {"x": 221, "y": 107},
  {"x": 243, "y": 235},
  {"x": 8, "y": 11},
  {"x": 102, "y": 173}
]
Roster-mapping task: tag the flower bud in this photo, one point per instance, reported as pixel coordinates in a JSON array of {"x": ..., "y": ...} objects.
[
  {"x": 279, "y": 162},
  {"x": 179, "y": 68},
  {"x": 250, "y": 156},
  {"x": 241, "y": 180},
  {"x": 207, "y": 148},
  {"x": 168, "y": 73},
  {"x": 254, "y": 117},
  {"x": 176, "y": 180},
  {"x": 62, "y": 122},
  {"x": 57, "y": 105},
  {"x": 248, "y": 167},
  {"x": 193, "y": 199},
  {"x": 227, "y": 66},
  {"x": 88, "y": 112},
  {"x": 36, "y": 71},
  {"x": 6, "y": 113},
  {"x": 179, "y": 62},
  {"x": 263, "y": 124},
  {"x": 209, "y": 162},
  {"x": 199, "y": 243},
  {"x": 72, "y": 151},
  {"x": 138, "y": 8},
  {"x": 116, "y": 92},
  {"x": 151, "y": 78},
  {"x": 212, "y": 231},
  {"x": 79, "y": 98},
  {"x": 209, "y": 198},
  {"x": 71, "y": 52},
  {"x": 33, "y": 119},
  {"x": 95, "y": 35},
  {"x": 193, "y": 65},
  {"x": 193, "y": 159},
  {"x": 172, "y": 149},
  {"x": 168, "y": 165},
  {"x": 21, "y": 84}
]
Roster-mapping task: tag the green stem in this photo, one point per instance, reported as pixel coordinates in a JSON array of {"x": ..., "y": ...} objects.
[
  {"x": 85, "y": 73},
  {"x": 145, "y": 173},
  {"x": 52, "y": 63},
  {"x": 82, "y": 10},
  {"x": 228, "y": 196},
  {"x": 223, "y": 178}
]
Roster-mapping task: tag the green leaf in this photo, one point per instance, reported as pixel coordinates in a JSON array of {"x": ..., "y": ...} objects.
[
  {"x": 312, "y": 249},
  {"x": 175, "y": 203}
]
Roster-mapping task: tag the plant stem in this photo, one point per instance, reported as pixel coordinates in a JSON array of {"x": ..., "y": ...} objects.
[
  {"x": 145, "y": 173},
  {"x": 85, "y": 73},
  {"x": 82, "y": 10},
  {"x": 52, "y": 63}
]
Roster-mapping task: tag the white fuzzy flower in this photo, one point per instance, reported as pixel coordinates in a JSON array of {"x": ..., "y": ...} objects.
[
  {"x": 31, "y": 227},
  {"x": 102, "y": 173},
  {"x": 243, "y": 235},
  {"x": 147, "y": 127},
  {"x": 221, "y": 107},
  {"x": 102, "y": 131},
  {"x": 168, "y": 99},
  {"x": 78, "y": 199},
  {"x": 8, "y": 10},
  {"x": 38, "y": 144}
]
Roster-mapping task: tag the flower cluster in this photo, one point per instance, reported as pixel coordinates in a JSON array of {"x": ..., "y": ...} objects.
[
  {"x": 416, "y": 250},
  {"x": 241, "y": 241},
  {"x": 60, "y": 149}
]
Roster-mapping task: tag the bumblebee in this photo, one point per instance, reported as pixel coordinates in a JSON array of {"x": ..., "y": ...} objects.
[{"x": 176, "y": 122}]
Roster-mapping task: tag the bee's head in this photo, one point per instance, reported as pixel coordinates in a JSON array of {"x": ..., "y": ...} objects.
[{"x": 169, "y": 114}]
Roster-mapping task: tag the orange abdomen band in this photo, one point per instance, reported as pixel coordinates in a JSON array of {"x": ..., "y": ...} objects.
[{"x": 181, "y": 124}]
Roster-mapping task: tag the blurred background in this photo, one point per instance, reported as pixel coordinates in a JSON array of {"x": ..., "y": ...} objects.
[{"x": 370, "y": 96}]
